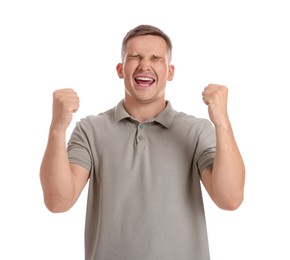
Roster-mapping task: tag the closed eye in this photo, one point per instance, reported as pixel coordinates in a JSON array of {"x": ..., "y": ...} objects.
[
  {"x": 134, "y": 56},
  {"x": 155, "y": 57}
]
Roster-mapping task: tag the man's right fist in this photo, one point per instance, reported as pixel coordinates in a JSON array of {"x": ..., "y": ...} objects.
[{"x": 65, "y": 102}]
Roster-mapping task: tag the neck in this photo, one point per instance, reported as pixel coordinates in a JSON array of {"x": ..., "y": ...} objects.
[{"x": 144, "y": 111}]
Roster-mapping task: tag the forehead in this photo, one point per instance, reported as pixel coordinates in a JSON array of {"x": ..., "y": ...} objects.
[{"x": 147, "y": 44}]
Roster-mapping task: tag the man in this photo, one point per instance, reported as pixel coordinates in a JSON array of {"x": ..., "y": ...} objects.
[{"x": 144, "y": 162}]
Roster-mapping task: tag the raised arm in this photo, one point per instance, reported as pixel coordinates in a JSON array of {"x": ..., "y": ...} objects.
[
  {"x": 225, "y": 180},
  {"x": 61, "y": 181}
]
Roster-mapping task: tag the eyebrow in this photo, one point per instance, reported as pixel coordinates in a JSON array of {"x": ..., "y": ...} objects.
[{"x": 136, "y": 54}]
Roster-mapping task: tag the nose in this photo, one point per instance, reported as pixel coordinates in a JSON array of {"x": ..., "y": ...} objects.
[{"x": 144, "y": 64}]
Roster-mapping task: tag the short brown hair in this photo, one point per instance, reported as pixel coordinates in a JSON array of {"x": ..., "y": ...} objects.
[{"x": 145, "y": 29}]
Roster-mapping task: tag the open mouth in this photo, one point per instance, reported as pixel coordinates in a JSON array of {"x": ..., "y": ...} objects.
[{"x": 144, "y": 81}]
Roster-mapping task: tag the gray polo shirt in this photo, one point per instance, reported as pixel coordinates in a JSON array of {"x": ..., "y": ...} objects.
[{"x": 144, "y": 196}]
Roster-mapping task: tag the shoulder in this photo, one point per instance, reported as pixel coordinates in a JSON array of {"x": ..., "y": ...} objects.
[
  {"x": 185, "y": 120},
  {"x": 98, "y": 121}
]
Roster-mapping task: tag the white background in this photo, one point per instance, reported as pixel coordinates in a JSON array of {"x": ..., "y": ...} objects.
[{"x": 46, "y": 45}]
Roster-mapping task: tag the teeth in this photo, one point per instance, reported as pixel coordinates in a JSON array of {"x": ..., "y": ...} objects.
[{"x": 143, "y": 78}]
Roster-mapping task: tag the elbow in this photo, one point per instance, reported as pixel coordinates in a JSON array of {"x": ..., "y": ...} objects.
[
  {"x": 231, "y": 203},
  {"x": 56, "y": 206}
]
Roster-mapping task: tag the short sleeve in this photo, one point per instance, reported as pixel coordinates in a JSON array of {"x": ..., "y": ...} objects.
[
  {"x": 78, "y": 148},
  {"x": 206, "y": 146}
]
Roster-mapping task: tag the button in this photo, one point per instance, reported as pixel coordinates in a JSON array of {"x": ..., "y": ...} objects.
[
  {"x": 140, "y": 137},
  {"x": 141, "y": 126}
]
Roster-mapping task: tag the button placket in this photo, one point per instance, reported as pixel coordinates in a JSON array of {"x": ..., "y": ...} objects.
[{"x": 140, "y": 134}]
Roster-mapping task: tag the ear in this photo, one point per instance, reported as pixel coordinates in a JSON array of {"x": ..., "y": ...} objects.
[
  {"x": 170, "y": 72},
  {"x": 119, "y": 69}
]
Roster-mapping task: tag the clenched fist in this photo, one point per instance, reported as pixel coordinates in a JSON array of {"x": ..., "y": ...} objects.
[
  {"x": 216, "y": 97},
  {"x": 65, "y": 103}
]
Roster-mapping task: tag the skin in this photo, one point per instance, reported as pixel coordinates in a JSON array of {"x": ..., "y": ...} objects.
[
  {"x": 150, "y": 60},
  {"x": 145, "y": 70}
]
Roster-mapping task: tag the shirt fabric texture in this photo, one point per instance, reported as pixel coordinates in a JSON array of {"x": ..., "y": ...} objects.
[{"x": 144, "y": 195}]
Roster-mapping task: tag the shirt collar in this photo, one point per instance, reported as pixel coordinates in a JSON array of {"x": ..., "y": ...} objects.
[
  {"x": 165, "y": 117},
  {"x": 120, "y": 112}
]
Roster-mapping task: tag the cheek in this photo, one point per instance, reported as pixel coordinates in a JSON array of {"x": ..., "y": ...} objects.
[
  {"x": 163, "y": 72},
  {"x": 129, "y": 70}
]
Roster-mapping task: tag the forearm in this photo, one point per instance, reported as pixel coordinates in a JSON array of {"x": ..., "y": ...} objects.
[
  {"x": 228, "y": 174},
  {"x": 56, "y": 175}
]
